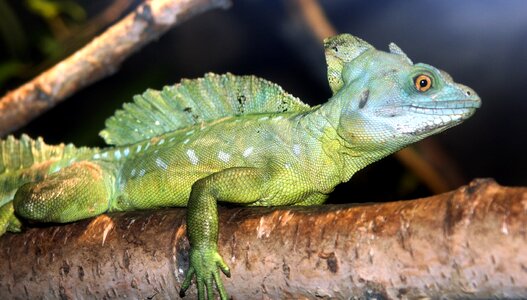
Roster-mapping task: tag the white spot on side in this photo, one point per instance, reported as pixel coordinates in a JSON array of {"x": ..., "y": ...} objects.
[
  {"x": 287, "y": 166},
  {"x": 133, "y": 172},
  {"x": 192, "y": 156},
  {"x": 186, "y": 141},
  {"x": 147, "y": 145},
  {"x": 142, "y": 172},
  {"x": 172, "y": 139},
  {"x": 190, "y": 132},
  {"x": 157, "y": 123},
  {"x": 278, "y": 118},
  {"x": 105, "y": 155},
  {"x": 296, "y": 149},
  {"x": 263, "y": 118},
  {"x": 117, "y": 154},
  {"x": 160, "y": 163},
  {"x": 126, "y": 151},
  {"x": 223, "y": 156},
  {"x": 138, "y": 149},
  {"x": 96, "y": 156},
  {"x": 248, "y": 151},
  {"x": 161, "y": 142}
]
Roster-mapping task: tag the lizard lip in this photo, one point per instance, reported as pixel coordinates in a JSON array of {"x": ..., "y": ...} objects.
[{"x": 450, "y": 107}]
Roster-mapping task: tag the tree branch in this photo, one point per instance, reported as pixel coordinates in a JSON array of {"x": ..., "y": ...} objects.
[
  {"x": 469, "y": 243},
  {"x": 98, "y": 59}
]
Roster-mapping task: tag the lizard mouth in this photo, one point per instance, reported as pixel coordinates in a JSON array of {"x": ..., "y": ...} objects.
[{"x": 442, "y": 114}]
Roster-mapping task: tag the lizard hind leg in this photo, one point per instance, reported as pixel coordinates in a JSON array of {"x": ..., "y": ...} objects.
[{"x": 81, "y": 190}]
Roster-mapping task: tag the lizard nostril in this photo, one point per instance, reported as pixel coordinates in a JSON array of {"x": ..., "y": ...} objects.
[{"x": 468, "y": 93}]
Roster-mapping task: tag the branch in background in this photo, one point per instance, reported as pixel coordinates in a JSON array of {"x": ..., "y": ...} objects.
[
  {"x": 78, "y": 36},
  {"x": 418, "y": 157},
  {"x": 316, "y": 19},
  {"x": 469, "y": 244},
  {"x": 98, "y": 59}
]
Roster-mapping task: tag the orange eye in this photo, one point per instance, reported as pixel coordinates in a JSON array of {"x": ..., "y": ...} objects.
[{"x": 423, "y": 83}]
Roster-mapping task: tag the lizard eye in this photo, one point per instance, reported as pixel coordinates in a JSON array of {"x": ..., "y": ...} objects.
[{"x": 423, "y": 83}]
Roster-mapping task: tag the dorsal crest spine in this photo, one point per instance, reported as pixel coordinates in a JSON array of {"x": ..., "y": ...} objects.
[
  {"x": 196, "y": 101},
  {"x": 17, "y": 154}
]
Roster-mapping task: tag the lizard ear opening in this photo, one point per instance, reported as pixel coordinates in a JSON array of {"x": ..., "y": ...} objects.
[
  {"x": 342, "y": 49},
  {"x": 394, "y": 49}
]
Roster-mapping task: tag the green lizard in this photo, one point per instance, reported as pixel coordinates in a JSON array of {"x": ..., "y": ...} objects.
[{"x": 235, "y": 139}]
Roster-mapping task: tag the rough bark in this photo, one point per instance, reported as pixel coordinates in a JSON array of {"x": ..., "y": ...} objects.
[
  {"x": 98, "y": 59},
  {"x": 468, "y": 243}
]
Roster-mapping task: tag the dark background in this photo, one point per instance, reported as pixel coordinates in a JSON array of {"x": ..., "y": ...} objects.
[{"x": 482, "y": 44}]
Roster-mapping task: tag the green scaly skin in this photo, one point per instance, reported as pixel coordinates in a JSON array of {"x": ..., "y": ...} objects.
[{"x": 282, "y": 157}]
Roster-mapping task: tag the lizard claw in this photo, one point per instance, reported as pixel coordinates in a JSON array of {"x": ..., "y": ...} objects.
[
  {"x": 186, "y": 282},
  {"x": 204, "y": 264}
]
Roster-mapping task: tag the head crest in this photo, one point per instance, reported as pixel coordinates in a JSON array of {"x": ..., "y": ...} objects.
[
  {"x": 342, "y": 49},
  {"x": 394, "y": 49}
]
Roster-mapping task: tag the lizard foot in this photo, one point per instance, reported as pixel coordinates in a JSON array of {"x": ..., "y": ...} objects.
[
  {"x": 204, "y": 263},
  {"x": 8, "y": 220}
]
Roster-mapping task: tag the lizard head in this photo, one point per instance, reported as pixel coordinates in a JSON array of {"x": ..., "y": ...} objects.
[{"x": 386, "y": 100}]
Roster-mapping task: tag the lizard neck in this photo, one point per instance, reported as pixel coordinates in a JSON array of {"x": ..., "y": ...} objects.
[{"x": 347, "y": 156}]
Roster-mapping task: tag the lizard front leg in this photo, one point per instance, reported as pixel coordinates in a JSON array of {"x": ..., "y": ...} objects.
[{"x": 234, "y": 185}]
